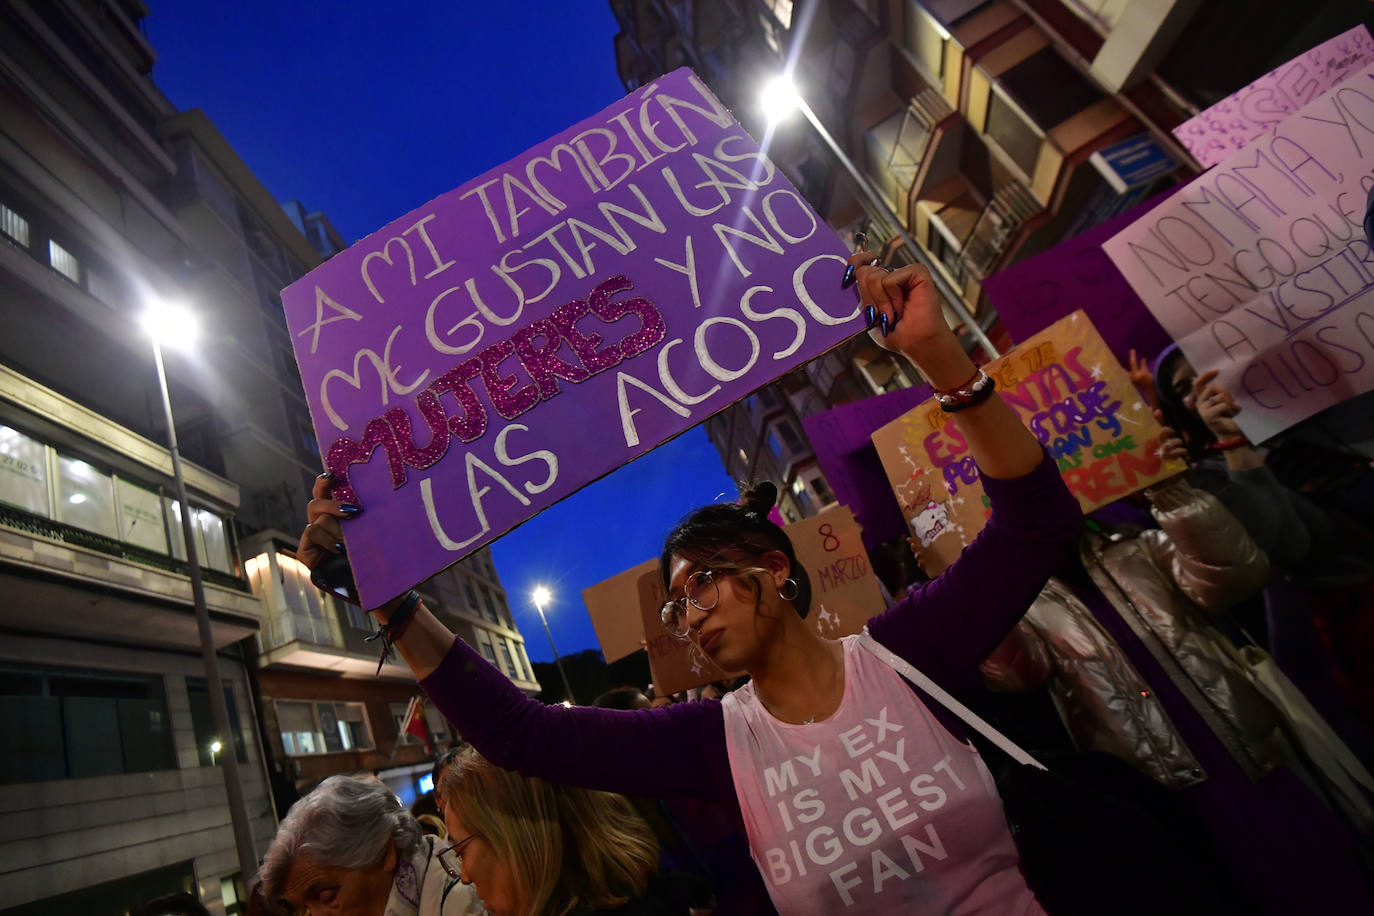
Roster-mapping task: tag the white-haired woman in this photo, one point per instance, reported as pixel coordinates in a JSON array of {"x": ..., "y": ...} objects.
[{"x": 350, "y": 848}]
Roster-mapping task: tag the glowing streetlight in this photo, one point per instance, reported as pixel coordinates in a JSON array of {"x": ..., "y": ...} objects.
[
  {"x": 543, "y": 596},
  {"x": 780, "y": 98},
  {"x": 176, "y": 326}
]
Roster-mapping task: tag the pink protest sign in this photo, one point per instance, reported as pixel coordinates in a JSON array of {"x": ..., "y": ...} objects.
[
  {"x": 1242, "y": 116},
  {"x": 516, "y": 338},
  {"x": 1260, "y": 267}
]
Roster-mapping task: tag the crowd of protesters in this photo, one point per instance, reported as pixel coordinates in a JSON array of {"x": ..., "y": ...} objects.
[{"x": 827, "y": 780}]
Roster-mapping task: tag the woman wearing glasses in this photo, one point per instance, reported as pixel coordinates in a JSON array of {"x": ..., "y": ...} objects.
[{"x": 853, "y": 791}]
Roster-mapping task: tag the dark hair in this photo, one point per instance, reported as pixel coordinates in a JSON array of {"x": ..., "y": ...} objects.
[
  {"x": 730, "y": 532},
  {"x": 619, "y": 698},
  {"x": 437, "y": 771},
  {"x": 173, "y": 905},
  {"x": 1196, "y": 435}
]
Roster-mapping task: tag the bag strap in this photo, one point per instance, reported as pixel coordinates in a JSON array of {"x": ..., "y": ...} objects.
[{"x": 936, "y": 692}]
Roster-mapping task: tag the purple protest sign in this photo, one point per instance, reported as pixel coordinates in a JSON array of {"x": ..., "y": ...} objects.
[
  {"x": 842, "y": 440},
  {"x": 1077, "y": 274},
  {"x": 645, "y": 268}
]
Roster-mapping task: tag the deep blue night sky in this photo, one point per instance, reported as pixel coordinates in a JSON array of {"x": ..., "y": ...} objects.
[{"x": 366, "y": 110}]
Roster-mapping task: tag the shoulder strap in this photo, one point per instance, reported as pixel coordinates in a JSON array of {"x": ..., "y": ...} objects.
[{"x": 936, "y": 692}]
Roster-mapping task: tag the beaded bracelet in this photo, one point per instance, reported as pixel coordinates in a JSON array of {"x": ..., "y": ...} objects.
[
  {"x": 968, "y": 395},
  {"x": 391, "y": 631}
]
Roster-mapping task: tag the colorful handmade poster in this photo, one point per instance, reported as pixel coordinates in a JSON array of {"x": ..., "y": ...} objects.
[
  {"x": 1077, "y": 400},
  {"x": 642, "y": 270},
  {"x": 1233, "y": 122},
  {"x": 1260, "y": 268}
]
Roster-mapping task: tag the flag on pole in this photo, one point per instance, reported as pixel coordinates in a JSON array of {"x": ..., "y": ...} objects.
[{"x": 414, "y": 722}]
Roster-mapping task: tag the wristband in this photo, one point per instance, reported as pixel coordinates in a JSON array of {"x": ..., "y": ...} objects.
[
  {"x": 391, "y": 631},
  {"x": 1227, "y": 444},
  {"x": 963, "y": 398}
]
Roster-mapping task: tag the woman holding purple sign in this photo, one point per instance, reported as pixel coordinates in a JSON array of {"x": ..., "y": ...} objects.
[{"x": 856, "y": 791}]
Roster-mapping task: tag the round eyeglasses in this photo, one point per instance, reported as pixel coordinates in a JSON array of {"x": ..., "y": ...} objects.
[
  {"x": 451, "y": 857},
  {"x": 700, "y": 591}
]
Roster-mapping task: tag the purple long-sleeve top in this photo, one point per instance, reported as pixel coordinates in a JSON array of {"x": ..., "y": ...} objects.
[{"x": 945, "y": 628}]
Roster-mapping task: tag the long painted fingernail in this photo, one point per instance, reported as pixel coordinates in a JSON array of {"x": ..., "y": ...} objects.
[
  {"x": 885, "y": 326},
  {"x": 848, "y": 280},
  {"x": 861, "y": 240},
  {"x": 339, "y": 547},
  {"x": 327, "y": 475},
  {"x": 349, "y": 510},
  {"x": 870, "y": 315}
]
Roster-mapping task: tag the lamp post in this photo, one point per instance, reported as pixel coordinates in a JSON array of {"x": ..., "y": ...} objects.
[
  {"x": 541, "y": 597},
  {"x": 779, "y": 97},
  {"x": 214, "y": 749},
  {"x": 165, "y": 322}
]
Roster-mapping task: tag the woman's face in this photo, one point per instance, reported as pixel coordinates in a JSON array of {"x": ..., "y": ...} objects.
[
  {"x": 322, "y": 891},
  {"x": 734, "y": 631},
  {"x": 489, "y": 874}
]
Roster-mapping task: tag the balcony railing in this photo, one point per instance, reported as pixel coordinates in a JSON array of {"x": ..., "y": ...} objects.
[{"x": 12, "y": 517}]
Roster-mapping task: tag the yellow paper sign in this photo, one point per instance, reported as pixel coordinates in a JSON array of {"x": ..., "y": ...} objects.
[{"x": 1071, "y": 393}]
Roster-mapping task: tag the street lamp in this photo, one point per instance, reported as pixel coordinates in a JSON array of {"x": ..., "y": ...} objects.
[
  {"x": 779, "y": 99},
  {"x": 171, "y": 324},
  {"x": 214, "y": 749},
  {"x": 542, "y": 596}
]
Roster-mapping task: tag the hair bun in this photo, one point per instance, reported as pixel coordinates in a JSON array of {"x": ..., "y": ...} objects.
[{"x": 760, "y": 498}]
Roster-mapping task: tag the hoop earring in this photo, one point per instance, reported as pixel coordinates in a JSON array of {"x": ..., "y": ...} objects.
[{"x": 796, "y": 590}]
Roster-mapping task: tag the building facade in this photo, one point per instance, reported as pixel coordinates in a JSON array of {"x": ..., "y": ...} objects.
[
  {"x": 989, "y": 129},
  {"x": 111, "y": 786}
]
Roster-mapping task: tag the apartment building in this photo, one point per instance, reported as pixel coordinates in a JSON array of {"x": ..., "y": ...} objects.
[
  {"x": 111, "y": 790},
  {"x": 990, "y": 129}
]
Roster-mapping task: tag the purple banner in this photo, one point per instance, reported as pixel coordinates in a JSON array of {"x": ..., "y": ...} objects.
[
  {"x": 842, "y": 441},
  {"x": 1077, "y": 274},
  {"x": 642, "y": 270}
]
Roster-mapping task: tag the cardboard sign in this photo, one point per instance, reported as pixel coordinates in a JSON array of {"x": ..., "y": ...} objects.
[
  {"x": 1242, "y": 116},
  {"x": 844, "y": 595},
  {"x": 844, "y": 590},
  {"x": 642, "y": 270},
  {"x": 1077, "y": 274},
  {"x": 1077, "y": 400},
  {"x": 842, "y": 440},
  {"x": 1260, "y": 268}
]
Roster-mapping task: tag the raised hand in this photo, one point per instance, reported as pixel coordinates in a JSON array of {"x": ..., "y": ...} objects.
[
  {"x": 1171, "y": 445},
  {"x": 1214, "y": 405},
  {"x": 1143, "y": 379}
]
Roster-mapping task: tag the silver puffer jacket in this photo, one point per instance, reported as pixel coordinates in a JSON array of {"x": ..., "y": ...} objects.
[{"x": 1162, "y": 583}]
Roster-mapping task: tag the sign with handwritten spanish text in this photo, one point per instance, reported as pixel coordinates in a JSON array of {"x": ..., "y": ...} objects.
[
  {"x": 1260, "y": 268},
  {"x": 1230, "y": 124},
  {"x": 1073, "y": 395},
  {"x": 516, "y": 338},
  {"x": 844, "y": 595}
]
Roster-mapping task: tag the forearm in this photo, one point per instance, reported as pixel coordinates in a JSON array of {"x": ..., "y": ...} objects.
[
  {"x": 998, "y": 440},
  {"x": 424, "y": 641},
  {"x": 1244, "y": 458}
]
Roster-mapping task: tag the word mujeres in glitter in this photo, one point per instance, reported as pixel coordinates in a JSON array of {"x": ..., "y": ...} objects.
[{"x": 535, "y": 346}]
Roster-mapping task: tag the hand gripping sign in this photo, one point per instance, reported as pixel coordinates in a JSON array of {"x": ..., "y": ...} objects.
[{"x": 641, "y": 270}]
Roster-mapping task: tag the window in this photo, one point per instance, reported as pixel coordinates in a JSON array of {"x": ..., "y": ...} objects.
[
  {"x": 509, "y": 659},
  {"x": 140, "y": 517},
  {"x": 484, "y": 644},
  {"x": 85, "y": 497},
  {"x": 23, "y": 472},
  {"x": 491, "y": 605},
  {"x": 66, "y": 724},
  {"x": 472, "y": 596},
  {"x": 1013, "y": 134},
  {"x": 802, "y": 497},
  {"x": 322, "y": 728},
  {"x": 821, "y": 489},
  {"x": 203, "y": 723},
  {"x": 64, "y": 262},
  {"x": 355, "y": 616},
  {"x": 525, "y": 660},
  {"x": 895, "y": 148},
  {"x": 212, "y": 543},
  {"x": 790, "y": 436},
  {"x": 99, "y": 286},
  {"x": 14, "y": 225}
]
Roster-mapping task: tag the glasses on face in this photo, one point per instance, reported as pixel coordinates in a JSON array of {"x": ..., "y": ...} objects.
[
  {"x": 451, "y": 857},
  {"x": 700, "y": 591}
]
